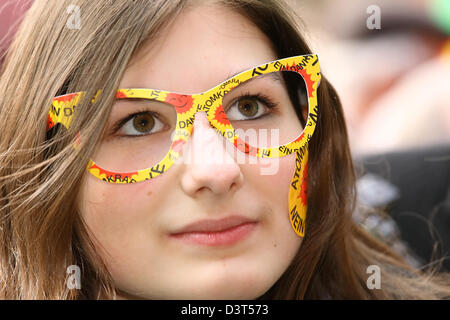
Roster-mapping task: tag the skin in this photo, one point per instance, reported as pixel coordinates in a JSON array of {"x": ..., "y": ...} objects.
[{"x": 132, "y": 223}]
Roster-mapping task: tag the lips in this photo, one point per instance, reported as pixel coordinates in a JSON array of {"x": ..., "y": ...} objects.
[
  {"x": 223, "y": 232},
  {"x": 209, "y": 225}
]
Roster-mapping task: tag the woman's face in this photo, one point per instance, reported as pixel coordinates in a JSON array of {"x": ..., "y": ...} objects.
[{"x": 136, "y": 224}]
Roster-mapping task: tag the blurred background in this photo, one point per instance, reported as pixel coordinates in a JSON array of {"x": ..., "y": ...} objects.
[
  {"x": 11, "y": 14},
  {"x": 390, "y": 64},
  {"x": 394, "y": 82}
]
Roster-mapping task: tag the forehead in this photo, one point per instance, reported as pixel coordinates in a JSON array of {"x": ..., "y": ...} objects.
[{"x": 203, "y": 46}]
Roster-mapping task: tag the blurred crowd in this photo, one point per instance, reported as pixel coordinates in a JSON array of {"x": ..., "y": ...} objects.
[{"x": 394, "y": 82}]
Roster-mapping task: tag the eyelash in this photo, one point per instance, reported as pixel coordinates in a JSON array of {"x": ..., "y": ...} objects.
[{"x": 268, "y": 102}]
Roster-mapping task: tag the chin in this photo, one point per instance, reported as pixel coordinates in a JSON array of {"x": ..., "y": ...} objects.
[
  {"x": 240, "y": 287},
  {"x": 213, "y": 281},
  {"x": 219, "y": 294}
]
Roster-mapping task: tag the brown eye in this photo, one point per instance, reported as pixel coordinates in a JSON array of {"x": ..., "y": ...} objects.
[
  {"x": 141, "y": 124},
  {"x": 248, "y": 107},
  {"x": 144, "y": 123}
]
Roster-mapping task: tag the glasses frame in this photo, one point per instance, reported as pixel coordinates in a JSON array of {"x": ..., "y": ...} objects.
[{"x": 63, "y": 108}]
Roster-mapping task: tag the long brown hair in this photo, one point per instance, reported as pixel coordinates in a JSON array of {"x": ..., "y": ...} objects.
[{"x": 41, "y": 230}]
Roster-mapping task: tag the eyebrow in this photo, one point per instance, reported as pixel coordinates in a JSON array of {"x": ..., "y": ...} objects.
[
  {"x": 139, "y": 100},
  {"x": 274, "y": 75}
]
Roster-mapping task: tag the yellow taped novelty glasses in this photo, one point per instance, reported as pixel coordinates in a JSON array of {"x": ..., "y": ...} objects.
[{"x": 258, "y": 111}]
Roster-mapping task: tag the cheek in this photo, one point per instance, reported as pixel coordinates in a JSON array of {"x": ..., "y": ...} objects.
[
  {"x": 279, "y": 240},
  {"x": 272, "y": 179},
  {"x": 118, "y": 215},
  {"x": 273, "y": 189}
]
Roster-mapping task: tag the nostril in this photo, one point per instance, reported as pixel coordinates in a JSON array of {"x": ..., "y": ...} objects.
[{"x": 201, "y": 190}]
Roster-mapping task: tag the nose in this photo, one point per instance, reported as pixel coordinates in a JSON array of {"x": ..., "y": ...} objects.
[{"x": 209, "y": 168}]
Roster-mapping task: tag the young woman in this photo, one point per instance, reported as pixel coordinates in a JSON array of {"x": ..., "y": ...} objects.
[{"x": 108, "y": 126}]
